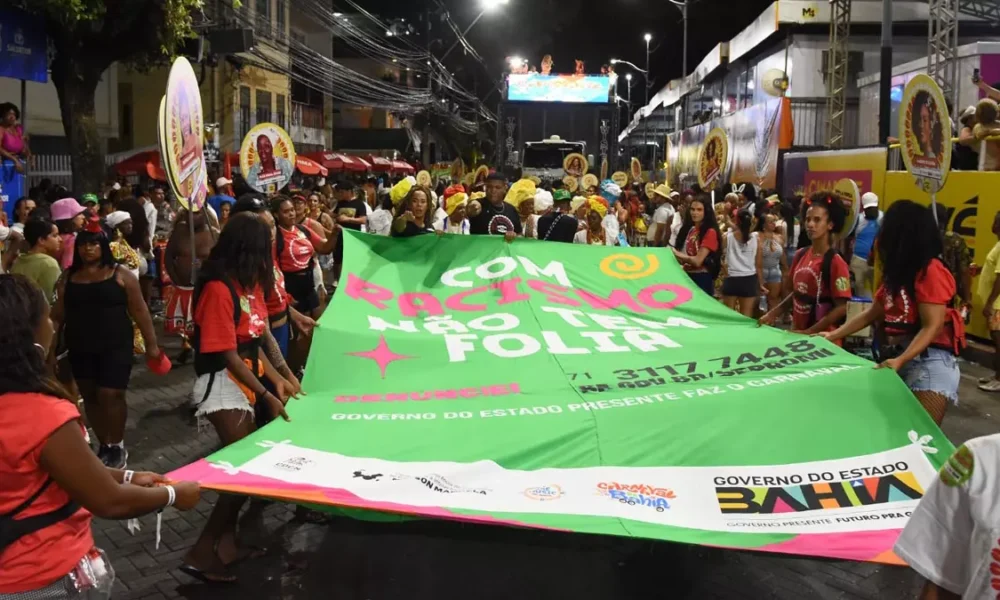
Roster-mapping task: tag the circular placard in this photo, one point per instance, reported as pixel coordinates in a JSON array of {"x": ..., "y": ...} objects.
[
  {"x": 267, "y": 158},
  {"x": 925, "y": 133},
  {"x": 183, "y": 136},
  {"x": 575, "y": 165},
  {"x": 713, "y": 158}
]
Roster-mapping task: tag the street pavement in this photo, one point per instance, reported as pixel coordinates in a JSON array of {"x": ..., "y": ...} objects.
[{"x": 355, "y": 560}]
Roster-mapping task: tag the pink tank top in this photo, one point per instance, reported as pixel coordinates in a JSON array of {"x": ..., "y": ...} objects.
[{"x": 13, "y": 142}]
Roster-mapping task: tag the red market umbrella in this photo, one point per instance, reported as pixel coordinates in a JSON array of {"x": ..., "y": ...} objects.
[
  {"x": 380, "y": 163},
  {"x": 335, "y": 161},
  {"x": 403, "y": 166},
  {"x": 309, "y": 167},
  {"x": 144, "y": 163}
]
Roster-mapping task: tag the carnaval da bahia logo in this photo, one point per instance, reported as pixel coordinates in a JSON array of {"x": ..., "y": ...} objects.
[
  {"x": 850, "y": 488},
  {"x": 644, "y": 495}
]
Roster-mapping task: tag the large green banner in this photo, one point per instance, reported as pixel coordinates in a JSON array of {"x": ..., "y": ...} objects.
[{"x": 587, "y": 389}]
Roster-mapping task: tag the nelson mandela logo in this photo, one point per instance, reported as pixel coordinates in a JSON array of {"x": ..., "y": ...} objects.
[{"x": 431, "y": 481}]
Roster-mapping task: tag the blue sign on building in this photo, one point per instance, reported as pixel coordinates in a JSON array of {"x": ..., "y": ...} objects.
[{"x": 23, "y": 47}]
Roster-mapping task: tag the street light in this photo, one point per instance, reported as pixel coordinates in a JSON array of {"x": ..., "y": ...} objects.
[
  {"x": 683, "y": 7},
  {"x": 628, "y": 78},
  {"x": 615, "y": 61},
  {"x": 516, "y": 62},
  {"x": 488, "y": 6},
  {"x": 648, "y": 38}
]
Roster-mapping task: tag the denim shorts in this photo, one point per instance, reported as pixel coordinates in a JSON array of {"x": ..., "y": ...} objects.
[
  {"x": 935, "y": 372},
  {"x": 772, "y": 275}
]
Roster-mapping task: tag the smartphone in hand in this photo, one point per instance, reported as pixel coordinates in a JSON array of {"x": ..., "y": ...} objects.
[{"x": 975, "y": 76}]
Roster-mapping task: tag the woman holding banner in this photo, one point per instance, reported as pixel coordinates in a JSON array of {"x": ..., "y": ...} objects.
[
  {"x": 818, "y": 285},
  {"x": 924, "y": 334},
  {"x": 698, "y": 244}
]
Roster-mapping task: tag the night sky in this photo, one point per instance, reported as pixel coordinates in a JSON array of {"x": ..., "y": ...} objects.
[{"x": 591, "y": 30}]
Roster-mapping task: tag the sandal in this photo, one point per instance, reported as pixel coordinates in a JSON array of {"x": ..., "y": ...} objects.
[
  {"x": 984, "y": 380},
  {"x": 206, "y": 576},
  {"x": 992, "y": 386}
]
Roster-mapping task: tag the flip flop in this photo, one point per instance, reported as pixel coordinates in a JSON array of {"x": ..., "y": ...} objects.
[
  {"x": 984, "y": 380},
  {"x": 206, "y": 577},
  {"x": 251, "y": 553}
]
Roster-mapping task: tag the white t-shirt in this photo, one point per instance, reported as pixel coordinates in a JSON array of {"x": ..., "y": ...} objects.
[
  {"x": 380, "y": 222},
  {"x": 675, "y": 227},
  {"x": 151, "y": 216},
  {"x": 741, "y": 259},
  {"x": 952, "y": 536},
  {"x": 663, "y": 215}
]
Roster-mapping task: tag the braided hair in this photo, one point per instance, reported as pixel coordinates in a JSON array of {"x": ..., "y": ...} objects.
[
  {"x": 836, "y": 214},
  {"x": 22, "y": 365}
]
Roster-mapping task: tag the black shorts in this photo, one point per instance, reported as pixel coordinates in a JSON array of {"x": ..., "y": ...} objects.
[
  {"x": 107, "y": 370},
  {"x": 741, "y": 287},
  {"x": 301, "y": 286}
]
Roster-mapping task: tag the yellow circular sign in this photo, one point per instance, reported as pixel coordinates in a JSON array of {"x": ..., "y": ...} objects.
[
  {"x": 572, "y": 183},
  {"x": 925, "y": 133},
  {"x": 590, "y": 181},
  {"x": 713, "y": 158},
  {"x": 481, "y": 174},
  {"x": 620, "y": 178},
  {"x": 629, "y": 266},
  {"x": 184, "y": 131},
  {"x": 846, "y": 190},
  {"x": 636, "y": 169},
  {"x": 267, "y": 158},
  {"x": 650, "y": 189},
  {"x": 575, "y": 165},
  {"x": 424, "y": 179}
]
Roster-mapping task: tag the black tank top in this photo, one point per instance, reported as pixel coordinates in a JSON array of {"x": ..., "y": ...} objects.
[{"x": 97, "y": 319}]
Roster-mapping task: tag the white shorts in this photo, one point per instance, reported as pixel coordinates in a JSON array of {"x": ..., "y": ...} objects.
[{"x": 224, "y": 395}]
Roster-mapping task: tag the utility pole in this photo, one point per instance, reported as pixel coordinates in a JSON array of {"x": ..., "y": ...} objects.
[
  {"x": 426, "y": 153},
  {"x": 885, "y": 81}
]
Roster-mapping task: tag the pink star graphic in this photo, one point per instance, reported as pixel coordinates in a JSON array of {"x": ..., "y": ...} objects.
[{"x": 382, "y": 355}]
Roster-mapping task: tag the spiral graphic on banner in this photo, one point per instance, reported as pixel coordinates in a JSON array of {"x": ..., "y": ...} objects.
[{"x": 629, "y": 267}]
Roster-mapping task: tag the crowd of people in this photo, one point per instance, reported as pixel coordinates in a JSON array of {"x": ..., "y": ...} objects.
[{"x": 88, "y": 279}]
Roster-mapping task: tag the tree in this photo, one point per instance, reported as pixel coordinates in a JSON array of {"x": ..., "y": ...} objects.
[{"x": 88, "y": 37}]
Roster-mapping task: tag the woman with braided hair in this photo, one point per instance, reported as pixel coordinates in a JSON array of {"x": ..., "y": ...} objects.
[{"x": 818, "y": 285}]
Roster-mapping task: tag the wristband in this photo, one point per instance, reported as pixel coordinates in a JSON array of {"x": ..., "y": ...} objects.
[
  {"x": 171, "y": 495},
  {"x": 127, "y": 478}
]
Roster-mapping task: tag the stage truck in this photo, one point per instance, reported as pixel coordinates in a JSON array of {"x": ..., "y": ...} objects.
[{"x": 545, "y": 118}]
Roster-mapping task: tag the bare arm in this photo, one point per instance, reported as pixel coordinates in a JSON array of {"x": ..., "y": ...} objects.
[
  {"x": 77, "y": 470},
  {"x": 139, "y": 311},
  {"x": 169, "y": 259},
  {"x": 990, "y": 91},
  {"x": 874, "y": 313}
]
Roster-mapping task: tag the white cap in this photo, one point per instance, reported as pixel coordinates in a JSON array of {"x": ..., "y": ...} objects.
[
  {"x": 222, "y": 181},
  {"x": 869, "y": 200}
]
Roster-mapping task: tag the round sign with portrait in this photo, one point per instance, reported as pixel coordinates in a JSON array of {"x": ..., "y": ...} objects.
[
  {"x": 713, "y": 158},
  {"x": 267, "y": 158},
  {"x": 481, "y": 174},
  {"x": 846, "y": 190},
  {"x": 457, "y": 170},
  {"x": 184, "y": 131},
  {"x": 635, "y": 168},
  {"x": 575, "y": 165},
  {"x": 424, "y": 178},
  {"x": 925, "y": 133},
  {"x": 620, "y": 178}
]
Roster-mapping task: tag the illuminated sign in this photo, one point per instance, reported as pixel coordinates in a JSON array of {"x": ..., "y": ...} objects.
[{"x": 534, "y": 87}]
